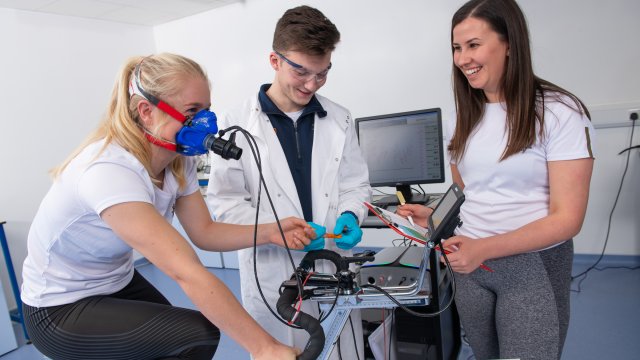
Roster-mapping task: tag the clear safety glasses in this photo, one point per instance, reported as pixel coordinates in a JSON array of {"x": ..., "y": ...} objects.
[{"x": 303, "y": 74}]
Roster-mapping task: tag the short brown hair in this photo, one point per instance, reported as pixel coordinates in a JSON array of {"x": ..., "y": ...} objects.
[{"x": 307, "y": 30}]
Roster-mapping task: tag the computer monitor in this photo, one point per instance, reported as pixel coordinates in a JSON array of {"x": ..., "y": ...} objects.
[{"x": 403, "y": 149}]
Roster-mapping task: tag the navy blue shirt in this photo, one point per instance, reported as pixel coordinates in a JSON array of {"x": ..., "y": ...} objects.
[{"x": 296, "y": 140}]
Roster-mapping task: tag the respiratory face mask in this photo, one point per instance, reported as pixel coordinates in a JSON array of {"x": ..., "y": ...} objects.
[{"x": 197, "y": 135}]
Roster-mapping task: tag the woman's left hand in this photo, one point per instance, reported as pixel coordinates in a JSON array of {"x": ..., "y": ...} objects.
[
  {"x": 297, "y": 233},
  {"x": 464, "y": 254}
]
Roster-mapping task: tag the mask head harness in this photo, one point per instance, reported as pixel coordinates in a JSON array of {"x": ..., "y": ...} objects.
[{"x": 196, "y": 132}]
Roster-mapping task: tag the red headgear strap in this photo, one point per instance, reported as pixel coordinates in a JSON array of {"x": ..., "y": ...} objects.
[{"x": 135, "y": 88}]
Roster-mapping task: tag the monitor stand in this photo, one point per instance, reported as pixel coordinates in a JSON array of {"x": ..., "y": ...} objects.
[{"x": 409, "y": 196}]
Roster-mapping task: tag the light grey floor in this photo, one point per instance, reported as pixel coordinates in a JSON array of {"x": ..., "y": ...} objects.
[{"x": 605, "y": 315}]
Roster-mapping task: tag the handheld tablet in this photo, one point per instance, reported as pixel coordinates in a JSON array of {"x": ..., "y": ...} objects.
[{"x": 444, "y": 219}]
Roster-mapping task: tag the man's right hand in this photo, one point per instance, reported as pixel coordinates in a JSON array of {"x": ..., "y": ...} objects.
[{"x": 318, "y": 242}]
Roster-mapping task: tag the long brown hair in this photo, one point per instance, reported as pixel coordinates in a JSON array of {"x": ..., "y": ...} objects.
[
  {"x": 523, "y": 92},
  {"x": 161, "y": 75}
]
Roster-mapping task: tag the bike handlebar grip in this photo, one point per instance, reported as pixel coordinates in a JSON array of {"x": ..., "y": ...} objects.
[
  {"x": 310, "y": 324},
  {"x": 308, "y": 260}
]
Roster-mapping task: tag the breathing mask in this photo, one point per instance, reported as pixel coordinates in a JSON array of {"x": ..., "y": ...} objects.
[
  {"x": 197, "y": 135},
  {"x": 196, "y": 132}
]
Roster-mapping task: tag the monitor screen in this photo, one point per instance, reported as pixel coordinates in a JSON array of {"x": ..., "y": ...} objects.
[{"x": 403, "y": 149}]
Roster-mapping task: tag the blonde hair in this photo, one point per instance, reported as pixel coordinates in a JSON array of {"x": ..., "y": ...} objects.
[{"x": 163, "y": 76}]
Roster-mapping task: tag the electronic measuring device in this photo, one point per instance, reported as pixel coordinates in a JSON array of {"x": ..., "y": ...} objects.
[{"x": 337, "y": 294}]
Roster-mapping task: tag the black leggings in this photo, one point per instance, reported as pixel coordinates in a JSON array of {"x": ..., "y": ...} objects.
[{"x": 137, "y": 322}]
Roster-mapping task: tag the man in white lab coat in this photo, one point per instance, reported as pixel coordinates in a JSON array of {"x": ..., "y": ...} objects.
[{"x": 311, "y": 163}]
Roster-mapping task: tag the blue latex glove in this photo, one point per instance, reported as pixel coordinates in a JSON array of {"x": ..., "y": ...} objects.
[
  {"x": 318, "y": 242},
  {"x": 347, "y": 225}
]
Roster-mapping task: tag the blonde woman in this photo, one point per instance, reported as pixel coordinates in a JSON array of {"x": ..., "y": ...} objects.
[{"x": 83, "y": 299}]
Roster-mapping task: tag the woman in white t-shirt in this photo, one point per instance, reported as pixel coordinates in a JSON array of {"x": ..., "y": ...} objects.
[
  {"x": 82, "y": 297},
  {"x": 520, "y": 147}
]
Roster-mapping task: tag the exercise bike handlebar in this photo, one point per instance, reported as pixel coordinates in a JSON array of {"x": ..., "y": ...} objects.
[
  {"x": 287, "y": 300},
  {"x": 307, "y": 322}
]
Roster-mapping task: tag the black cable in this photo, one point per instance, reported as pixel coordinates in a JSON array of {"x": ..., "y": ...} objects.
[
  {"x": 256, "y": 156},
  {"x": 403, "y": 241},
  {"x": 410, "y": 242},
  {"x": 629, "y": 149},
  {"x": 603, "y": 269},
  {"x": 615, "y": 203},
  {"x": 380, "y": 191},
  {"x": 353, "y": 333},
  {"x": 415, "y": 313},
  {"x": 618, "y": 267},
  {"x": 390, "y": 331},
  {"x": 335, "y": 301},
  {"x": 355, "y": 343}
]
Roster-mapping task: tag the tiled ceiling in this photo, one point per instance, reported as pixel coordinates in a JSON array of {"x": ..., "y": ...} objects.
[{"x": 141, "y": 12}]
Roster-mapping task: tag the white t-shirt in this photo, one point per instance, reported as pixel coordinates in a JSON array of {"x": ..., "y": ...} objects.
[
  {"x": 295, "y": 115},
  {"x": 501, "y": 196},
  {"x": 72, "y": 253}
]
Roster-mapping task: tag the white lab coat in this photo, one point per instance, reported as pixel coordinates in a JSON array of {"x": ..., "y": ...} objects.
[{"x": 340, "y": 182}]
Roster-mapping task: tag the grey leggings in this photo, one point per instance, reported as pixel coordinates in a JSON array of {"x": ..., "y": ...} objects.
[{"x": 521, "y": 310}]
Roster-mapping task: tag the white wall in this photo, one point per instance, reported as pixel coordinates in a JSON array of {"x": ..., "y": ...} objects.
[
  {"x": 387, "y": 61},
  {"x": 56, "y": 75},
  {"x": 395, "y": 56}
]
